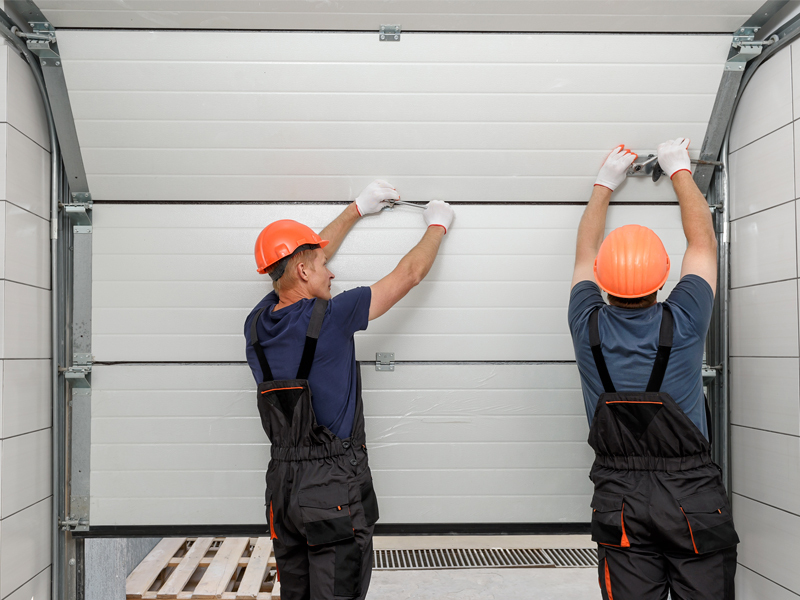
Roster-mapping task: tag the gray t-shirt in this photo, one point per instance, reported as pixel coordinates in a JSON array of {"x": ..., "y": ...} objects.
[{"x": 629, "y": 339}]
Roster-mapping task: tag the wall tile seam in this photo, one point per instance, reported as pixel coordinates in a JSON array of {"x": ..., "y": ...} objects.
[
  {"x": 45, "y": 499},
  {"x": 794, "y": 435},
  {"x": 27, "y": 582},
  {"x": 15, "y": 128},
  {"x": 763, "y": 210},
  {"x": 789, "y": 124},
  {"x": 751, "y": 285},
  {"x": 11, "y": 437},
  {"x": 762, "y": 503},
  {"x": 47, "y": 219},
  {"x": 768, "y": 579},
  {"x": 44, "y": 289}
]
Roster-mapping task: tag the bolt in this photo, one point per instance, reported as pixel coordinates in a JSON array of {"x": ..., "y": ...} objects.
[
  {"x": 71, "y": 562},
  {"x": 44, "y": 63},
  {"x": 383, "y": 37},
  {"x": 58, "y": 64}
]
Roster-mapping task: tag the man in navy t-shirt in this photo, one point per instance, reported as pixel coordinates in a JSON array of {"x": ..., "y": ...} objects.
[
  {"x": 321, "y": 505},
  {"x": 660, "y": 516}
]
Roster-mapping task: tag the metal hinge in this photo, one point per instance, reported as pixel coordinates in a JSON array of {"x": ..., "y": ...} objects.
[
  {"x": 78, "y": 212},
  {"x": 390, "y": 33},
  {"x": 73, "y": 524},
  {"x": 710, "y": 373},
  {"x": 78, "y": 373},
  {"x": 749, "y": 48},
  {"x": 384, "y": 361}
]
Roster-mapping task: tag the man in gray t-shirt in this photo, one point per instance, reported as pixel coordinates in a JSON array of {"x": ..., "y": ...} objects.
[{"x": 661, "y": 517}]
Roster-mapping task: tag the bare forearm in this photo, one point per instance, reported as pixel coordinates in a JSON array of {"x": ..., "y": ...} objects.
[
  {"x": 593, "y": 223},
  {"x": 695, "y": 214},
  {"x": 419, "y": 260},
  {"x": 338, "y": 229}
]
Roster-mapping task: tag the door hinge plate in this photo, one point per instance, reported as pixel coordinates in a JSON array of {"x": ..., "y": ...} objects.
[
  {"x": 384, "y": 361},
  {"x": 390, "y": 33}
]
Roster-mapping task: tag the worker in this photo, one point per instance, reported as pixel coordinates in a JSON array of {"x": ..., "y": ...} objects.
[
  {"x": 321, "y": 505},
  {"x": 661, "y": 517}
]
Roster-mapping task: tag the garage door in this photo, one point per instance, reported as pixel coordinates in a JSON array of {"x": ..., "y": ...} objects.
[{"x": 194, "y": 141}]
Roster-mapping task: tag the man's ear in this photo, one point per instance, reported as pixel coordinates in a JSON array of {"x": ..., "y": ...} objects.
[{"x": 302, "y": 275}]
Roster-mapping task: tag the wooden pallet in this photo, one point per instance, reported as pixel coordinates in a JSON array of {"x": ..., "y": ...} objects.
[{"x": 227, "y": 568}]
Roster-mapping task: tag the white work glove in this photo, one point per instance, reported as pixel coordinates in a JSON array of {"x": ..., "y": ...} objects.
[
  {"x": 673, "y": 156},
  {"x": 614, "y": 169},
  {"x": 439, "y": 213},
  {"x": 373, "y": 198}
]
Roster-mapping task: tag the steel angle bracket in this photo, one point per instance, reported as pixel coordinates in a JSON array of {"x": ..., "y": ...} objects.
[{"x": 42, "y": 42}]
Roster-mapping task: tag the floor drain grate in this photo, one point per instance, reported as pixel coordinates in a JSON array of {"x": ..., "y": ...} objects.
[
  {"x": 471, "y": 558},
  {"x": 572, "y": 557}
]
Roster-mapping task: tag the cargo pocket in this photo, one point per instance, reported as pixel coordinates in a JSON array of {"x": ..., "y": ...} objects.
[
  {"x": 326, "y": 514},
  {"x": 370, "y": 503},
  {"x": 347, "y": 574},
  {"x": 608, "y": 520},
  {"x": 709, "y": 520}
]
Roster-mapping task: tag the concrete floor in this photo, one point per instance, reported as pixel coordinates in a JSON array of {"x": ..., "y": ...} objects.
[{"x": 485, "y": 584}]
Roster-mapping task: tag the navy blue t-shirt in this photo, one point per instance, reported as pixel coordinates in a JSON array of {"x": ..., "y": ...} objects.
[
  {"x": 629, "y": 339},
  {"x": 333, "y": 377}
]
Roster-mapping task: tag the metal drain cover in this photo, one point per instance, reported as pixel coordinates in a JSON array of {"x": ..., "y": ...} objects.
[{"x": 472, "y": 558}]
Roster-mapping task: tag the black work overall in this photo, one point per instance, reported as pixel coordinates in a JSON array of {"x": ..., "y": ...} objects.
[
  {"x": 661, "y": 517},
  {"x": 321, "y": 505}
]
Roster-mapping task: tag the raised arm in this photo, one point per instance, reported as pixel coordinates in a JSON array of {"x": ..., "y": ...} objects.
[
  {"x": 593, "y": 223},
  {"x": 414, "y": 266},
  {"x": 701, "y": 250},
  {"x": 371, "y": 200}
]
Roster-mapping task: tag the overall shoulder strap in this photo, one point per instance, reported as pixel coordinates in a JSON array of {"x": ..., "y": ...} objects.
[
  {"x": 664, "y": 348},
  {"x": 597, "y": 352},
  {"x": 312, "y": 335},
  {"x": 266, "y": 372}
]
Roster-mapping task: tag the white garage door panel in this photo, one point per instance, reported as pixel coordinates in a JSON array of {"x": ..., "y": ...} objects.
[
  {"x": 498, "y": 290},
  {"x": 162, "y": 115},
  {"x": 189, "y": 435},
  {"x": 447, "y": 15},
  {"x": 364, "y": 75},
  {"x": 354, "y": 135}
]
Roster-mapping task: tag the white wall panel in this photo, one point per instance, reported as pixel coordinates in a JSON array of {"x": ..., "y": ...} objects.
[
  {"x": 765, "y": 467},
  {"x": 161, "y": 115},
  {"x": 26, "y": 403},
  {"x": 770, "y": 541},
  {"x": 766, "y": 103},
  {"x": 176, "y": 282},
  {"x": 762, "y": 173},
  {"x": 752, "y": 586},
  {"x": 25, "y": 467},
  {"x": 28, "y": 173},
  {"x": 764, "y": 247},
  {"x": 764, "y": 320},
  {"x": 2, "y": 234},
  {"x": 765, "y": 390},
  {"x": 184, "y": 444},
  {"x": 25, "y": 109},
  {"x": 439, "y": 15},
  {"x": 26, "y": 316},
  {"x": 27, "y": 247},
  {"x": 24, "y": 546},
  {"x": 765, "y": 394},
  {"x": 37, "y": 588}
]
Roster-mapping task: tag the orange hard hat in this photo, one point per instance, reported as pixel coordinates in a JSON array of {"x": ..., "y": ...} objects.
[
  {"x": 632, "y": 262},
  {"x": 280, "y": 239}
]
